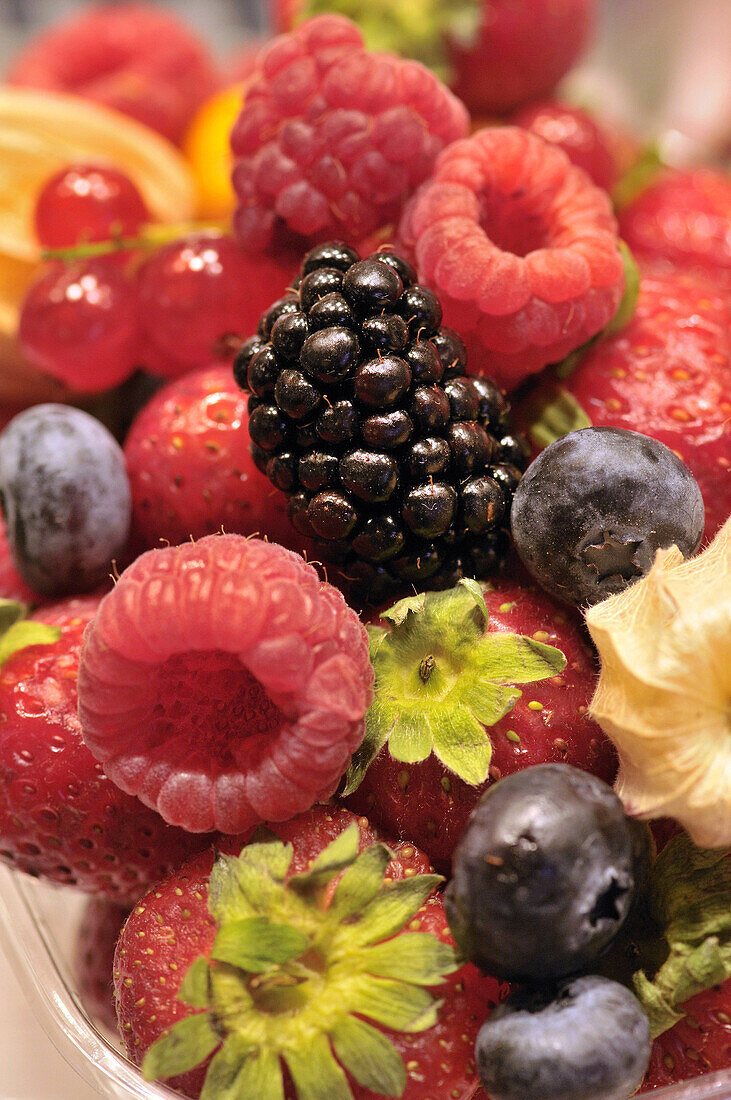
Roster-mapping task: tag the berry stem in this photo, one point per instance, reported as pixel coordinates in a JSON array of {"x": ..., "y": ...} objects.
[{"x": 151, "y": 236}]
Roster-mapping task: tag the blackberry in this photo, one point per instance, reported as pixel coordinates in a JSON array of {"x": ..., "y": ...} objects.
[{"x": 401, "y": 467}]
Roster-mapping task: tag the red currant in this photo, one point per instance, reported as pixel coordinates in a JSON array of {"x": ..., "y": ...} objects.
[
  {"x": 192, "y": 295},
  {"x": 85, "y": 202},
  {"x": 79, "y": 324}
]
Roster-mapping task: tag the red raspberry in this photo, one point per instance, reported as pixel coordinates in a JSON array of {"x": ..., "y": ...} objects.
[
  {"x": 332, "y": 138},
  {"x": 190, "y": 467},
  {"x": 684, "y": 218},
  {"x": 224, "y": 684},
  {"x": 587, "y": 144},
  {"x": 521, "y": 248}
]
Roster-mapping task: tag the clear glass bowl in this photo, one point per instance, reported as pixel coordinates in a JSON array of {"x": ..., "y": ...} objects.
[{"x": 31, "y": 916}]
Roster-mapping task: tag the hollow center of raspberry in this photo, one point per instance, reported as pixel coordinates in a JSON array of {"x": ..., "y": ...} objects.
[
  {"x": 212, "y": 700},
  {"x": 511, "y": 224}
]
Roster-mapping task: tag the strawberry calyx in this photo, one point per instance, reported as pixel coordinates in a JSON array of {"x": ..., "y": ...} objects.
[
  {"x": 418, "y": 29},
  {"x": 442, "y": 678},
  {"x": 686, "y": 912},
  {"x": 299, "y": 965},
  {"x": 17, "y": 632}
]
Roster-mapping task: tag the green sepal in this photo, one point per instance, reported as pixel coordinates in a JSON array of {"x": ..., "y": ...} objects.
[
  {"x": 418, "y": 29},
  {"x": 339, "y": 854},
  {"x": 415, "y": 957},
  {"x": 554, "y": 412},
  {"x": 689, "y": 899},
  {"x": 369, "y": 1057},
  {"x": 361, "y": 882},
  {"x": 185, "y": 1046},
  {"x": 247, "y": 885},
  {"x": 239, "y": 1072},
  {"x": 11, "y": 611},
  {"x": 394, "y": 1004},
  {"x": 392, "y": 908},
  {"x": 256, "y": 943},
  {"x": 316, "y": 1074},
  {"x": 628, "y": 304},
  {"x": 22, "y": 633},
  {"x": 442, "y": 679},
  {"x": 644, "y": 170},
  {"x": 195, "y": 987}
]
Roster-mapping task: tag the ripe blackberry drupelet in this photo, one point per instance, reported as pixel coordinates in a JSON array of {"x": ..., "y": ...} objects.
[{"x": 401, "y": 468}]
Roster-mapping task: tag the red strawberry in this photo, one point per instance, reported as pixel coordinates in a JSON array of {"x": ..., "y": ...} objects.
[
  {"x": 313, "y": 961},
  {"x": 447, "y": 718},
  {"x": 521, "y": 50},
  {"x": 676, "y": 943},
  {"x": 60, "y": 817},
  {"x": 96, "y": 939},
  {"x": 190, "y": 468},
  {"x": 683, "y": 218},
  {"x": 698, "y": 1044},
  {"x": 667, "y": 375},
  {"x": 224, "y": 684}
]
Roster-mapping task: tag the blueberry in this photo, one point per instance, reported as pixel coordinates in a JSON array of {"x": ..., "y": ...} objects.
[
  {"x": 66, "y": 498},
  {"x": 593, "y": 508},
  {"x": 587, "y": 1040},
  {"x": 543, "y": 875}
]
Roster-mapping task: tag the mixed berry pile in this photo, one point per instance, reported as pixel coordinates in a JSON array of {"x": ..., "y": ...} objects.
[{"x": 363, "y": 543}]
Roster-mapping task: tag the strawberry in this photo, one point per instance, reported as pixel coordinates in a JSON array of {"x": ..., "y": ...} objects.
[
  {"x": 60, "y": 817},
  {"x": 678, "y": 945},
  {"x": 96, "y": 938},
  {"x": 447, "y": 717},
  {"x": 667, "y": 374},
  {"x": 683, "y": 219},
  {"x": 190, "y": 469},
  {"x": 279, "y": 929},
  {"x": 699, "y": 1043}
]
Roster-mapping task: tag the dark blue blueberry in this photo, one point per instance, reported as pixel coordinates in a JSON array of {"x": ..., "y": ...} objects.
[
  {"x": 543, "y": 875},
  {"x": 66, "y": 498},
  {"x": 591, "y": 511},
  {"x": 586, "y": 1040}
]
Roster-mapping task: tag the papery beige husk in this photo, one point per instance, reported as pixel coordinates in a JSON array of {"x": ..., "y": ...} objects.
[{"x": 664, "y": 692}]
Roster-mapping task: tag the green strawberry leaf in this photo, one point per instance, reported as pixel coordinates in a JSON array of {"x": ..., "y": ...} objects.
[
  {"x": 414, "y": 957},
  {"x": 11, "y": 611},
  {"x": 24, "y": 633},
  {"x": 394, "y": 1004},
  {"x": 240, "y": 1072},
  {"x": 195, "y": 986},
  {"x": 554, "y": 412},
  {"x": 361, "y": 882},
  {"x": 244, "y": 886},
  {"x": 628, "y": 304},
  {"x": 338, "y": 855},
  {"x": 367, "y": 1054},
  {"x": 689, "y": 899},
  {"x": 256, "y": 943},
  {"x": 316, "y": 1074},
  {"x": 392, "y": 908},
  {"x": 442, "y": 678},
  {"x": 641, "y": 174},
  {"x": 185, "y": 1046}
]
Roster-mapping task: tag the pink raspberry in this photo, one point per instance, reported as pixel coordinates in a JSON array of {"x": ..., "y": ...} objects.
[
  {"x": 520, "y": 246},
  {"x": 224, "y": 684},
  {"x": 333, "y": 138}
]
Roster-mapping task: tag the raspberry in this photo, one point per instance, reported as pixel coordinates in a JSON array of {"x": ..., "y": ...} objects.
[
  {"x": 587, "y": 143},
  {"x": 520, "y": 246},
  {"x": 224, "y": 684},
  {"x": 332, "y": 138},
  {"x": 360, "y": 412}
]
